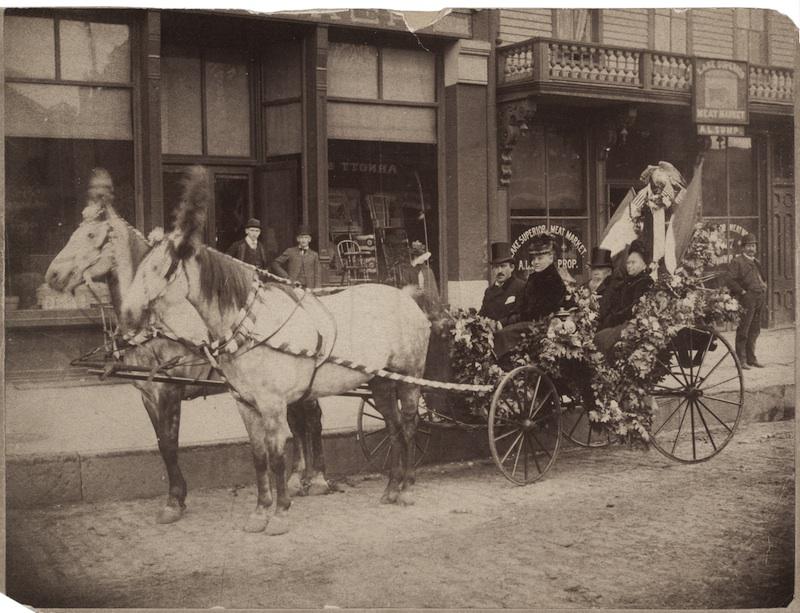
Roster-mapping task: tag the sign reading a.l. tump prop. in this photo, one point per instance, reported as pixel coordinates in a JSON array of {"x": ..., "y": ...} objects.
[{"x": 720, "y": 92}]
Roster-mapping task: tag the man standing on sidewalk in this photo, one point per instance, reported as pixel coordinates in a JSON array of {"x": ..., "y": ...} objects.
[{"x": 746, "y": 281}]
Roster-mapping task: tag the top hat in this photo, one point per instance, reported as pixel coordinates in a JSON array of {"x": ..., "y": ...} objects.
[
  {"x": 501, "y": 253},
  {"x": 749, "y": 239},
  {"x": 542, "y": 244},
  {"x": 639, "y": 247},
  {"x": 303, "y": 230},
  {"x": 601, "y": 258},
  {"x": 253, "y": 223}
]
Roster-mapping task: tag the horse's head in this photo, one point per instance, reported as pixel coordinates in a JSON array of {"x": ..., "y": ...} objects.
[
  {"x": 87, "y": 254},
  {"x": 160, "y": 277}
]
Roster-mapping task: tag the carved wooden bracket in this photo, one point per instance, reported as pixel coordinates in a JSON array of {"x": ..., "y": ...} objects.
[
  {"x": 614, "y": 130},
  {"x": 513, "y": 121}
]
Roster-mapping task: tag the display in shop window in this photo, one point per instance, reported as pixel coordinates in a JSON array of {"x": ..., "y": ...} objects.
[{"x": 571, "y": 251}]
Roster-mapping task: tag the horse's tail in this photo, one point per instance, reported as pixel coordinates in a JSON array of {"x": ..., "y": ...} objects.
[{"x": 191, "y": 214}]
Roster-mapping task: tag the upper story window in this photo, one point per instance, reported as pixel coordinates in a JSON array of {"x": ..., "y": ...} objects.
[
  {"x": 206, "y": 102},
  {"x": 576, "y": 24}
]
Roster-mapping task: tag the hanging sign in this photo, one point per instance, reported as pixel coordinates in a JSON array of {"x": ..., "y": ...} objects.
[
  {"x": 570, "y": 250},
  {"x": 707, "y": 130},
  {"x": 720, "y": 92}
]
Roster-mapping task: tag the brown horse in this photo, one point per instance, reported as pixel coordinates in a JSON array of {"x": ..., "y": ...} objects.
[
  {"x": 105, "y": 247},
  {"x": 275, "y": 361}
]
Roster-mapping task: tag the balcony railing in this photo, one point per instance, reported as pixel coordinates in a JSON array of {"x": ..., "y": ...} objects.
[{"x": 540, "y": 60}]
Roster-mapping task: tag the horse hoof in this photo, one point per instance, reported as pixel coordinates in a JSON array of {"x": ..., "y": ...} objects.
[
  {"x": 169, "y": 515},
  {"x": 318, "y": 487},
  {"x": 389, "y": 497},
  {"x": 294, "y": 486},
  {"x": 405, "y": 498},
  {"x": 278, "y": 525},
  {"x": 256, "y": 523}
]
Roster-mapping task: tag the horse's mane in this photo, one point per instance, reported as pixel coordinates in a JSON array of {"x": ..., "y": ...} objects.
[{"x": 223, "y": 277}]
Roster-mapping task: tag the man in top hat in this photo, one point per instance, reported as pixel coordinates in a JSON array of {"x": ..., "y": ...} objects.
[
  {"x": 250, "y": 249},
  {"x": 503, "y": 297},
  {"x": 621, "y": 299},
  {"x": 301, "y": 263},
  {"x": 545, "y": 289},
  {"x": 601, "y": 267},
  {"x": 746, "y": 282}
]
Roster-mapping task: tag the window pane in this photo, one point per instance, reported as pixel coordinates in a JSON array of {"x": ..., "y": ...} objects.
[
  {"x": 409, "y": 75},
  {"x": 283, "y": 71},
  {"x": 740, "y": 169},
  {"x": 352, "y": 71},
  {"x": 526, "y": 191},
  {"x": 388, "y": 123},
  {"x": 180, "y": 105},
  {"x": 565, "y": 173},
  {"x": 231, "y": 196},
  {"x": 95, "y": 51},
  {"x": 68, "y": 111},
  {"x": 46, "y": 183},
  {"x": 30, "y": 49},
  {"x": 714, "y": 182},
  {"x": 572, "y": 240},
  {"x": 284, "y": 129},
  {"x": 227, "y": 104}
]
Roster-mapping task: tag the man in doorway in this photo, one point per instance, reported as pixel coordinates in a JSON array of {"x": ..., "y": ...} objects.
[
  {"x": 503, "y": 297},
  {"x": 250, "y": 250},
  {"x": 301, "y": 263},
  {"x": 746, "y": 282}
]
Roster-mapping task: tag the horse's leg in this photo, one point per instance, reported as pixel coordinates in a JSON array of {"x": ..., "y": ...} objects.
[
  {"x": 409, "y": 399},
  {"x": 253, "y": 421},
  {"x": 317, "y": 483},
  {"x": 277, "y": 431},
  {"x": 163, "y": 404},
  {"x": 295, "y": 416},
  {"x": 384, "y": 395}
]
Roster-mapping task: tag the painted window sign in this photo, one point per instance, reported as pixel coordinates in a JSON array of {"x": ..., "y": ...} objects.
[
  {"x": 570, "y": 249},
  {"x": 720, "y": 93}
]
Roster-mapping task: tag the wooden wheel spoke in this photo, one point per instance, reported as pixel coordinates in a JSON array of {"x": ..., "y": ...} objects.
[
  {"x": 724, "y": 425},
  {"x": 705, "y": 425},
  {"x": 720, "y": 361},
  {"x": 717, "y": 384},
  {"x": 680, "y": 427},
  {"x": 677, "y": 354},
  {"x": 664, "y": 423},
  {"x": 502, "y": 436},
  {"x": 516, "y": 458},
  {"x": 541, "y": 404},
  {"x": 577, "y": 421},
  {"x": 721, "y": 400},
  {"x": 672, "y": 374},
  {"x": 533, "y": 398},
  {"x": 533, "y": 454},
  {"x": 511, "y": 448},
  {"x": 691, "y": 422}
]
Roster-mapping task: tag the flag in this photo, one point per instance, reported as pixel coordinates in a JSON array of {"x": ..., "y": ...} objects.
[
  {"x": 620, "y": 231},
  {"x": 684, "y": 217}
]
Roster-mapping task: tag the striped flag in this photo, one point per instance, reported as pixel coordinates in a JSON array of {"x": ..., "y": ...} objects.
[
  {"x": 685, "y": 214},
  {"x": 620, "y": 231}
]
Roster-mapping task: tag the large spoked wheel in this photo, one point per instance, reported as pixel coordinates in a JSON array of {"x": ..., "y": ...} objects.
[
  {"x": 525, "y": 425},
  {"x": 373, "y": 435},
  {"x": 578, "y": 428},
  {"x": 698, "y": 403}
]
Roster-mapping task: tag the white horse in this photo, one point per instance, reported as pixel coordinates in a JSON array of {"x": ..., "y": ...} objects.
[{"x": 272, "y": 337}]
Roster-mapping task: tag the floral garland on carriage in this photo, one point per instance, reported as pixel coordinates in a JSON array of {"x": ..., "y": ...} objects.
[{"x": 564, "y": 347}]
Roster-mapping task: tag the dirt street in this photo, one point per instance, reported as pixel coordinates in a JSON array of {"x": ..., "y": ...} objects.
[{"x": 606, "y": 528}]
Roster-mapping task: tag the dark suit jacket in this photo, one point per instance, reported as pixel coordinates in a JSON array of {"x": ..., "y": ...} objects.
[
  {"x": 260, "y": 258},
  {"x": 623, "y": 297},
  {"x": 502, "y": 302},
  {"x": 542, "y": 295},
  {"x": 294, "y": 265},
  {"x": 745, "y": 275}
]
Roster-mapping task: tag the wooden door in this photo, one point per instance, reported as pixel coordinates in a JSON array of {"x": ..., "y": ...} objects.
[{"x": 781, "y": 253}]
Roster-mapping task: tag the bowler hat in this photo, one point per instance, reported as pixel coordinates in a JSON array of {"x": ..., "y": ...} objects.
[
  {"x": 501, "y": 253},
  {"x": 541, "y": 244},
  {"x": 639, "y": 247},
  {"x": 253, "y": 223},
  {"x": 601, "y": 258},
  {"x": 749, "y": 239},
  {"x": 303, "y": 229}
]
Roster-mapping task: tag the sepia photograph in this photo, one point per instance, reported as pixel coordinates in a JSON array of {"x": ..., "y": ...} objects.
[{"x": 466, "y": 308}]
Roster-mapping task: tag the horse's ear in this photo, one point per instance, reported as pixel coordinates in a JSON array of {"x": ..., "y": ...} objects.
[{"x": 190, "y": 218}]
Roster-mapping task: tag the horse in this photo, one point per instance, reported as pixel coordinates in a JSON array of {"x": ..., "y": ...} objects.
[
  {"x": 277, "y": 345},
  {"x": 105, "y": 247}
]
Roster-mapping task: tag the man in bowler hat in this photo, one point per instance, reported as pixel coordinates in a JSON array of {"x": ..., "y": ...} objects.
[
  {"x": 301, "y": 263},
  {"x": 503, "y": 297},
  {"x": 746, "y": 282},
  {"x": 250, "y": 249}
]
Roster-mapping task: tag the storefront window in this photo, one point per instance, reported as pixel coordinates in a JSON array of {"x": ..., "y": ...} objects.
[
  {"x": 547, "y": 194},
  {"x": 56, "y": 133},
  {"x": 209, "y": 88},
  {"x": 382, "y": 196}
]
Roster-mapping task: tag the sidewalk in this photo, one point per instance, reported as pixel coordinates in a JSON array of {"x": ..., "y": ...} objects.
[{"x": 66, "y": 442}]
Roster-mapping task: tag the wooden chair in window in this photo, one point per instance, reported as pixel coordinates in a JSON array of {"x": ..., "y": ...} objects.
[{"x": 355, "y": 262}]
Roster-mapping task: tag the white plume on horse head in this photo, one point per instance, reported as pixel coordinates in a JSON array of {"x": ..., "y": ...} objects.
[
  {"x": 156, "y": 235},
  {"x": 190, "y": 217}
]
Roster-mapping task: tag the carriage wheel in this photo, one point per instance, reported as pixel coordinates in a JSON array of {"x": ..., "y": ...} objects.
[
  {"x": 698, "y": 403},
  {"x": 373, "y": 435},
  {"x": 525, "y": 425},
  {"x": 578, "y": 428}
]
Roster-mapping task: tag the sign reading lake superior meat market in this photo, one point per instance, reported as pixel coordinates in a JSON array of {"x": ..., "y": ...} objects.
[{"x": 720, "y": 92}]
